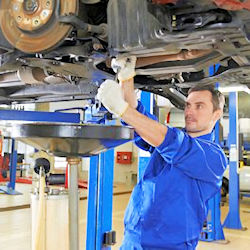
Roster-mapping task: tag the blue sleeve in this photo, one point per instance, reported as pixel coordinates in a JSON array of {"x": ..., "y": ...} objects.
[
  {"x": 198, "y": 158},
  {"x": 137, "y": 139}
]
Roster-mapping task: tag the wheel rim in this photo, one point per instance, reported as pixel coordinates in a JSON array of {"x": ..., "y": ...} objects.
[{"x": 32, "y": 26}]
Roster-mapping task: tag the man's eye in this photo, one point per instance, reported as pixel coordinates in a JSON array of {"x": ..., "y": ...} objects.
[{"x": 199, "y": 106}]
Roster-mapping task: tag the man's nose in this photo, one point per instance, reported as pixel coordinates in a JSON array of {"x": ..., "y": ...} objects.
[{"x": 188, "y": 110}]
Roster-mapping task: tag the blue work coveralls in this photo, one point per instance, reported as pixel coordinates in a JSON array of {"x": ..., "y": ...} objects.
[{"x": 168, "y": 206}]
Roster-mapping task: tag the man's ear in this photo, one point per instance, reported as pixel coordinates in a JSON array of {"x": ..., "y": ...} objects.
[{"x": 218, "y": 114}]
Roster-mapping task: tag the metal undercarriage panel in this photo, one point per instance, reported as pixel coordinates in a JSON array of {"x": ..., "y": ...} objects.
[
  {"x": 235, "y": 77},
  {"x": 61, "y": 49}
]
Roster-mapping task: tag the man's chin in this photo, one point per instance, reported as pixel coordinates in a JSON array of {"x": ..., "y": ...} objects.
[{"x": 192, "y": 130}]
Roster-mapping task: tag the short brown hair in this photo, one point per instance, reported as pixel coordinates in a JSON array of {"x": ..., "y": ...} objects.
[{"x": 218, "y": 98}]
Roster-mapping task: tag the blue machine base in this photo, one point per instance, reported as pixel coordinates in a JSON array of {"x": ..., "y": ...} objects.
[
  {"x": 212, "y": 236},
  {"x": 10, "y": 191},
  {"x": 232, "y": 222}
]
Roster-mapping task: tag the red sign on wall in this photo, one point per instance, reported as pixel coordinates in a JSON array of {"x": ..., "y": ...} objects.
[{"x": 124, "y": 157}]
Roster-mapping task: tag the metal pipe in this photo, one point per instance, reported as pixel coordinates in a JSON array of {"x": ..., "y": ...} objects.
[
  {"x": 181, "y": 56},
  {"x": 9, "y": 77},
  {"x": 56, "y": 179},
  {"x": 24, "y": 75},
  {"x": 31, "y": 75},
  {"x": 27, "y": 75},
  {"x": 73, "y": 203}
]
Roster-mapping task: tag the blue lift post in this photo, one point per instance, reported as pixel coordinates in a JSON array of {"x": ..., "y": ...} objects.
[
  {"x": 233, "y": 217},
  {"x": 10, "y": 188},
  {"x": 92, "y": 203},
  {"x": 105, "y": 201},
  {"x": 218, "y": 229},
  {"x": 100, "y": 196},
  {"x": 30, "y": 116},
  {"x": 147, "y": 101},
  {"x": 100, "y": 201},
  {"x": 213, "y": 230}
]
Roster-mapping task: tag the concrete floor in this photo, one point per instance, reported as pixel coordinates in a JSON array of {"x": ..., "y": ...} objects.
[{"x": 15, "y": 225}]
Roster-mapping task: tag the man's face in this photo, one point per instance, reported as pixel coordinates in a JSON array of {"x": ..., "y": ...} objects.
[{"x": 199, "y": 114}]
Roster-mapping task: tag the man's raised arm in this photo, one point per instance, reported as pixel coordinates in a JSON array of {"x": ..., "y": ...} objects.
[{"x": 111, "y": 96}]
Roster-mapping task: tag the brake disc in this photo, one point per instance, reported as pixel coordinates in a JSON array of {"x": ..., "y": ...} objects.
[{"x": 32, "y": 26}]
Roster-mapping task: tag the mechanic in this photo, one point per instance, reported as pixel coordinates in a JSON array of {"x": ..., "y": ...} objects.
[{"x": 168, "y": 206}]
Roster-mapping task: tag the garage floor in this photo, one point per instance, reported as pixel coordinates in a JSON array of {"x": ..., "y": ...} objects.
[{"x": 15, "y": 221}]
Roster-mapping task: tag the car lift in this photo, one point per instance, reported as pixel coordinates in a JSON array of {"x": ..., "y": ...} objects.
[
  {"x": 233, "y": 218},
  {"x": 100, "y": 189},
  {"x": 99, "y": 215}
]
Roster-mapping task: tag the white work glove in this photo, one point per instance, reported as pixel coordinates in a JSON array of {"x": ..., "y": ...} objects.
[
  {"x": 111, "y": 96},
  {"x": 124, "y": 66}
]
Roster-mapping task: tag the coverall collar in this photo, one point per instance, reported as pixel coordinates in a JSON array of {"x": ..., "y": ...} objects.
[{"x": 209, "y": 136}]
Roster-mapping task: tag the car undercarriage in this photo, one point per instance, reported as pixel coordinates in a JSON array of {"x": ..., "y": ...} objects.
[{"x": 57, "y": 50}]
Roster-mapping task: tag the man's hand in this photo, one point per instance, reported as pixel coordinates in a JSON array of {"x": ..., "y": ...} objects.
[
  {"x": 124, "y": 66},
  {"x": 111, "y": 96}
]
